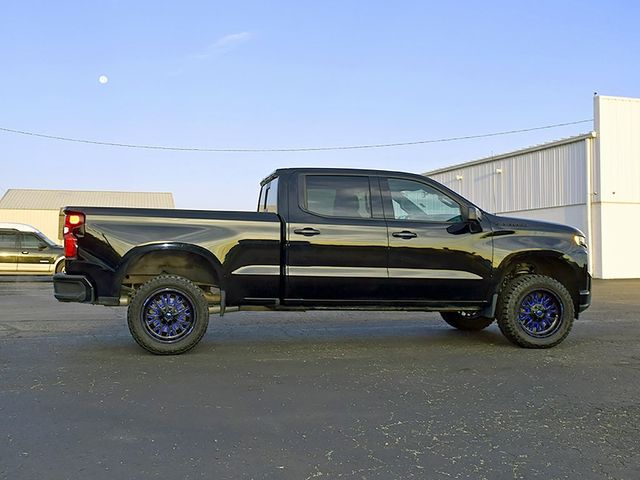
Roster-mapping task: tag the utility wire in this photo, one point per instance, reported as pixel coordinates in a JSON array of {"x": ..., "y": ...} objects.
[{"x": 294, "y": 149}]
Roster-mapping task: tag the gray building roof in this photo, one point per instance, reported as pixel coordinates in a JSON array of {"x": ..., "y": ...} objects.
[
  {"x": 535, "y": 148},
  {"x": 31, "y": 199}
]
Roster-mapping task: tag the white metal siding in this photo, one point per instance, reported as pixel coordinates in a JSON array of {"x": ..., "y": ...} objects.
[
  {"x": 618, "y": 144},
  {"x": 574, "y": 215},
  {"x": 50, "y": 199},
  {"x": 545, "y": 178},
  {"x": 616, "y": 198}
]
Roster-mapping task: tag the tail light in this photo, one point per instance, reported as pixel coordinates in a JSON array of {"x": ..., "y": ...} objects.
[{"x": 73, "y": 228}]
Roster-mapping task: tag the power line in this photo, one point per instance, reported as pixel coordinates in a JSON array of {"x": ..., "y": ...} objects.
[{"x": 294, "y": 149}]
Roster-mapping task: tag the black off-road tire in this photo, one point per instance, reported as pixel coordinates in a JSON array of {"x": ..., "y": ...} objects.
[
  {"x": 512, "y": 308},
  {"x": 145, "y": 317},
  {"x": 469, "y": 321}
]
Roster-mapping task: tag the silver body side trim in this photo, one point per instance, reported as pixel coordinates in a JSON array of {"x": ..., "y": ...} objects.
[
  {"x": 358, "y": 272},
  {"x": 432, "y": 273},
  {"x": 258, "y": 270}
]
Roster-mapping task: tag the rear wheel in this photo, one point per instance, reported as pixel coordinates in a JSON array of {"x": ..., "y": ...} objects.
[
  {"x": 471, "y": 321},
  {"x": 168, "y": 315},
  {"x": 60, "y": 267},
  {"x": 535, "y": 311}
]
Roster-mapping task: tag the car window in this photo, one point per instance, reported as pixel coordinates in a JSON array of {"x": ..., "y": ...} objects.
[
  {"x": 338, "y": 196},
  {"x": 271, "y": 197},
  {"x": 268, "y": 201},
  {"x": 31, "y": 241},
  {"x": 8, "y": 240},
  {"x": 413, "y": 200}
]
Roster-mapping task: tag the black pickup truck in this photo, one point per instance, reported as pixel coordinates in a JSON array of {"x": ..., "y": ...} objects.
[{"x": 328, "y": 239}]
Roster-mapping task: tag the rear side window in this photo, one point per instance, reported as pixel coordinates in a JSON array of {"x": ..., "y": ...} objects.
[
  {"x": 338, "y": 196},
  {"x": 269, "y": 197},
  {"x": 8, "y": 240}
]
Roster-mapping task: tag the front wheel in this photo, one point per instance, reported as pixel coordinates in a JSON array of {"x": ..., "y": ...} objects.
[
  {"x": 470, "y": 321},
  {"x": 535, "y": 311},
  {"x": 168, "y": 315}
]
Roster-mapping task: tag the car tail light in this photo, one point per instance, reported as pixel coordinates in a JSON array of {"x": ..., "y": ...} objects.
[{"x": 73, "y": 228}]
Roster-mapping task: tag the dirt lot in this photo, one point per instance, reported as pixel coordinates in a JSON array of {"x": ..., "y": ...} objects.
[{"x": 316, "y": 395}]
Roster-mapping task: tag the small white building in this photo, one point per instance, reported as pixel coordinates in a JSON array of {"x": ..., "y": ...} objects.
[
  {"x": 41, "y": 208},
  {"x": 590, "y": 181}
]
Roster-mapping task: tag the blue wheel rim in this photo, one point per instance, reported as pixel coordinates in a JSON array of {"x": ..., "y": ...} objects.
[
  {"x": 540, "y": 314},
  {"x": 168, "y": 315}
]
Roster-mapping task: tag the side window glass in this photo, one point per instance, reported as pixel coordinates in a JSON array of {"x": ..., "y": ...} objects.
[
  {"x": 416, "y": 201},
  {"x": 269, "y": 197},
  {"x": 263, "y": 191},
  {"x": 338, "y": 196},
  {"x": 31, "y": 241},
  {"x": 8, "y": 240}
]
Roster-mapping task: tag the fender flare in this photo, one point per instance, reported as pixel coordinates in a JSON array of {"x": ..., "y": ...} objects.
[
  {"x": 513, "y": 259},
  {"x": 138, "y": 252}
]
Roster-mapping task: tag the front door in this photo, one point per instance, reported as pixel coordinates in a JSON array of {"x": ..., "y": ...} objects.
[
  {"x": 34, "y": 255},
  {"x": 8, "y": 251},
  {"x": 336, "y": 241},
  {"x": 429, "y": 261}
]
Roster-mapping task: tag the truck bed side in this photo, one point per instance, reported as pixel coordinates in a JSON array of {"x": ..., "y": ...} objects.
[{"x": 126, "y": 246}]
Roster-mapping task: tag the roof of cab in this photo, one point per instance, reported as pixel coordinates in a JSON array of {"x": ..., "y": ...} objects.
[
  {"x": 21, "y": 227},
  {"x": 340, "y": 171}
]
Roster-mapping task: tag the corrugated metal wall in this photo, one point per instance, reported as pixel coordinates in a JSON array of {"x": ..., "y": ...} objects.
[
  {"x": 618, "y": 144},
  {"x": 550, "y": 177},
  {"x": 46, "y": 199},
  {"x": 44, "y": 220},
  {"x": 616, "y": 197}
]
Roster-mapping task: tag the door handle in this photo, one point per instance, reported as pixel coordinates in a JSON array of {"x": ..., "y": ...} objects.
[
  {"x": 25, "y": 252},
  {"x": 306, "y": 231},
  {"x": 405, "y": 234}
]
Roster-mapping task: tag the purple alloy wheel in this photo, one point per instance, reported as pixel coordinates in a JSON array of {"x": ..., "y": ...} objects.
[
  {"x": 168, "y": 315},
  {"x": 540, "y": 314}
]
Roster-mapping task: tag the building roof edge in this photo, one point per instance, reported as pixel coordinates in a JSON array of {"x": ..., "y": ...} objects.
[{"x": 493, "y": 158}]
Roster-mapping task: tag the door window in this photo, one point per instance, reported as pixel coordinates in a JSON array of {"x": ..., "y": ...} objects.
[
  {"x": 8, "y": 240},
  {"x": 30, "y": 241},
  {"x": 338, "y": 196},
  {"x": 413, "y": 200}
]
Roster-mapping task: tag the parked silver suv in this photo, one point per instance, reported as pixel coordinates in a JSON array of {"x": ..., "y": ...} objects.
[{"x": 24, "y": 250}]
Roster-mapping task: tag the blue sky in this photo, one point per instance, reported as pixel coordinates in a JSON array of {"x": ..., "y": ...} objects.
[{"x": 269, "y": 74}]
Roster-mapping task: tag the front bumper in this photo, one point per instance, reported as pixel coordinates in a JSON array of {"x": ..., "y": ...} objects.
[
  {"x": 72, "y": 288},
  {"x": 585, "y": 296}
]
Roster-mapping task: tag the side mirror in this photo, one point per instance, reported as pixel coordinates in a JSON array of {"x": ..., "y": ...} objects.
[
  {"x": 473, "y": 214},
  {"x": 42, "y": 246},
  {"x": 470, "y": 222},
  {"x": 472, "y": 217}
]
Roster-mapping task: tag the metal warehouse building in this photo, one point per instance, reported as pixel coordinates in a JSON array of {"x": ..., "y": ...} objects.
[
  {"x": 590, "y": 181},
  {"x": 41, "y": 208}
]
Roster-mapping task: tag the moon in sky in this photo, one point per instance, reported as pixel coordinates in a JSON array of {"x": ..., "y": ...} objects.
[{"x": 103, "y": 79}]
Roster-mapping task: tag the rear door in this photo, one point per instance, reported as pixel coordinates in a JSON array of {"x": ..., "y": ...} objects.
[
  {"x": 34, "y": 255},
  {"x": 336, "y": 251},
  {"x": 8, "y": 251},
  {"x": 430, "y": 261}
]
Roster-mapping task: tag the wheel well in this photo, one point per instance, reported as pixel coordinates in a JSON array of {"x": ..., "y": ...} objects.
[
  {"x": 189, "y": 265},
  {"x": 549, "y": 265}
]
